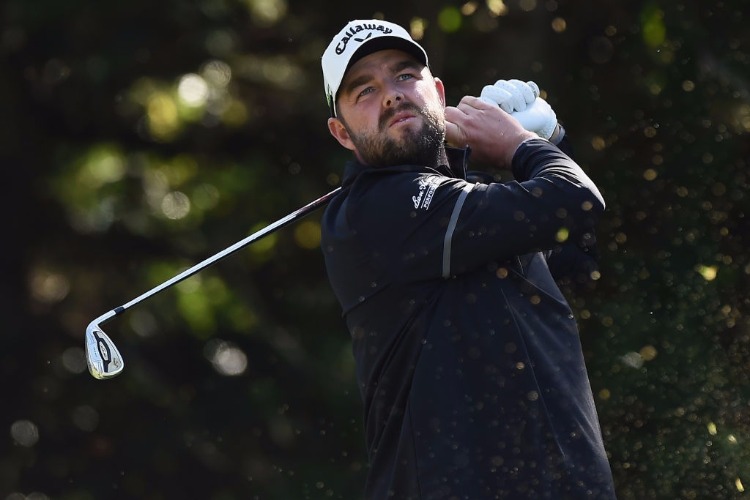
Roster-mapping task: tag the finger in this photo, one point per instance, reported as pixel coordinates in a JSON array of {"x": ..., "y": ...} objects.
[
  {"x": 454, "y": 135},
  {"x": 454, "y": 114},
  {"x": 525, "y": 90},
  {"x": 502, "y": 96},
  {"x": 468, "y": 102},
  {"x": 488, "y": 100},
  {"x": 534, "y": 88},
  {"x": 498, "y": 96},
  {"x": 517, "y": 102}
]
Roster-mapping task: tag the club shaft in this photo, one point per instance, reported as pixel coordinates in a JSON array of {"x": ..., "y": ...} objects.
[{"x": 297, "y": 214}]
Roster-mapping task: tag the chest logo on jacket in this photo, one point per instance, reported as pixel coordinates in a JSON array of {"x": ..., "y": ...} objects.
[{"x": 427, "y": 187}]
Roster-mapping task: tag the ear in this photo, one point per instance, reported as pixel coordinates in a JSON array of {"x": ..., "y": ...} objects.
[
  {"x": 440, "y": 90},
  {"x": 338, "y": 131}
]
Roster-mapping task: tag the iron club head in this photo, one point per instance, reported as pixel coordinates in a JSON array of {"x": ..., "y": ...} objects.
[{"x": 102, "y": 356}]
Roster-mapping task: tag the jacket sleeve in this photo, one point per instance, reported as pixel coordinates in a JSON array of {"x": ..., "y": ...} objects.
[
  {"x": 574, "y": 261},
  {"x": 551, "y": 204}
]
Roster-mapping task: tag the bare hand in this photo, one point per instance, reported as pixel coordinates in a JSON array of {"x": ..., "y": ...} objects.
[{"x": 491, "y": 133}]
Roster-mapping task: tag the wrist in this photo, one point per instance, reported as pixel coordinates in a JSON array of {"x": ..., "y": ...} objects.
[
  {"x": 557, "y": 134},
  {"x": 522, "y": 137}
]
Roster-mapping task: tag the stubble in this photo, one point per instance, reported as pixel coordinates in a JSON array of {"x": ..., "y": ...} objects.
[{"x": 423, "y": 146}]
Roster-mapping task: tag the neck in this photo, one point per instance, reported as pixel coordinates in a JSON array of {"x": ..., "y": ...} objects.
[{"x": 442, "y": 156}]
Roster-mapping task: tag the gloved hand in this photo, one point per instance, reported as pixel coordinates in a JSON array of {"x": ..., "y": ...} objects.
[
  {"x": 522, "y": 101},
  {"x": 538, "y": 118},
  {"x": 510, "y": 95}
]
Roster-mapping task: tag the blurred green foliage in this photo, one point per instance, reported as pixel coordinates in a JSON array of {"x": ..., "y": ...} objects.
[{"x": 138, "y": 138}]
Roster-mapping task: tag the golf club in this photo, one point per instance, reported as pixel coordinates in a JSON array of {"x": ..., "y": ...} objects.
[{"x": 103, "y": 358}]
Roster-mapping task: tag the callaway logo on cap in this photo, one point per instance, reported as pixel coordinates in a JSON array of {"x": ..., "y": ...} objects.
[{"x": 356, "y": 40}]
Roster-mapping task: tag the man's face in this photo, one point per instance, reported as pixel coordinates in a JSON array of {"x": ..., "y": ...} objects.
[{"x": 390, "y": 111}]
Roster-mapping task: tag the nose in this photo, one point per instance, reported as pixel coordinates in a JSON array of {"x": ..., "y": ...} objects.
[{"x": 392, "y": 98}]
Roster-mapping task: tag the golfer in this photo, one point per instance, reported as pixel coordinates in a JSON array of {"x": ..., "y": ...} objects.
[{"x": 468, "y": 357}]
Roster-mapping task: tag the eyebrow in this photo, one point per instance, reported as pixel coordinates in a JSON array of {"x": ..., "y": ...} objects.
[{"x": 366, "y": 77}]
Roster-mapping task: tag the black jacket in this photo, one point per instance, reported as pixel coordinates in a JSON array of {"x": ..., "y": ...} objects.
[{"x": 468, "y": 356}]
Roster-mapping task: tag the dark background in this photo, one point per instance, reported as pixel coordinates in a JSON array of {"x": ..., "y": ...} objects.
[{"x": 138, "y": 138}]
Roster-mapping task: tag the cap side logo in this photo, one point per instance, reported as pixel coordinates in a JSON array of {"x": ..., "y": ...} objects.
[{"x": 349, "y": 34}]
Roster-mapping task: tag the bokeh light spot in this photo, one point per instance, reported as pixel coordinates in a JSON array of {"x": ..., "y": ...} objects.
[
  {"x": 175, "y": 205},
  {"x": 708, "y": 272},
  {"x": 648, "y": 352},
  {"x": 193, "y": 90},
  {"x": 497, "y": 7},
  {"x": 449, "y": 19},
  {"x": 226, "y": 358},
  {"x": 25, "y": 433},
  {"x": 559, "y": 25},
  {"x": 468, "y": 8},
  {"x": 417, "y": 27},
  {"x": 217, "y": 73},
  {"x": 163, "y": 119},
  {"x": 654, "y": 31},
  {"x": 85, "y": 418},
  {"x": 48, "y": 287},
  {"x": 307, "y": 234},
  {"x": 74, "y": 360},
  {"x": 266, "y": 12}
]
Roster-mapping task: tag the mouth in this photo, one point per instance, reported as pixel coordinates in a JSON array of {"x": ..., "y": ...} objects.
[{"x": 401, "y": 118}]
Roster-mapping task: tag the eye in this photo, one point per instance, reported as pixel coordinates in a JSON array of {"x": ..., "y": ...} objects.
[
  {"x": 365, "y": 91},
  {"x": 404, "y": 76}
]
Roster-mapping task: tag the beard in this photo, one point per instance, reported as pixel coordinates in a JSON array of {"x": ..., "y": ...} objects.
[{"x": 415, "y": 147}]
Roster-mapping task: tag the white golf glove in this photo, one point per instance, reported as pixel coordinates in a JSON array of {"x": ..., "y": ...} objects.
[
  {"x": 523, "y": 103},
  {"x": 510, "y": 95}
]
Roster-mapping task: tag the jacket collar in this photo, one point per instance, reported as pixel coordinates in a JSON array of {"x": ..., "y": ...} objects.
[{"x": 458, "y": 159}]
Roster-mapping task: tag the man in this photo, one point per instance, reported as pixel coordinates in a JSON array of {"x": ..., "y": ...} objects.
[{"x": 468, "y": 356}]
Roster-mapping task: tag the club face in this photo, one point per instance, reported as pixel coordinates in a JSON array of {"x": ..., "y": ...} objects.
[{"x": 102, "y": 356}]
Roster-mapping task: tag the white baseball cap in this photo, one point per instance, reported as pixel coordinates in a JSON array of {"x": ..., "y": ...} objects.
[{"x": 358, "y": 39}]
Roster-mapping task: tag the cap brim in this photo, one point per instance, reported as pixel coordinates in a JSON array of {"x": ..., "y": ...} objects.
[{"x": 385, "y": 43}]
